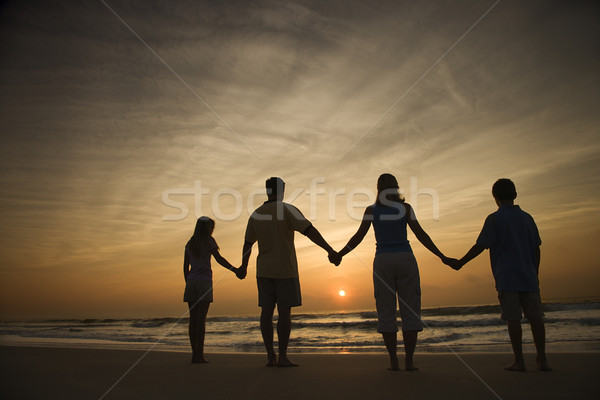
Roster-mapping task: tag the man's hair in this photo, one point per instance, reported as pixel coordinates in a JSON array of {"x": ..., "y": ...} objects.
[
  {"x": 504, "y": 189},
  {"x": 274, "y": 186}
]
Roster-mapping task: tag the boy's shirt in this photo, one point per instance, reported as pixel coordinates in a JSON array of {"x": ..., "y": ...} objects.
[{"x": 512, "y": 237}]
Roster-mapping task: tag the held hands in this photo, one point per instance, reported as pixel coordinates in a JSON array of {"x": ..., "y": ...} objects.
[
  {"x": 335, "y": 258},
  {"x": 453, "y": 263},
  {"x": 241, "y": 272}
]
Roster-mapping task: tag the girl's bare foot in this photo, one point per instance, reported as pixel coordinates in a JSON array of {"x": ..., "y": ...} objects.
[
  {"x": 271, "y": 360},
  {"x": 199, "y": 360},
  {"x": 410, "y": 366},
  {"x": 542, "y": 364},
  {"x": 516, "y": 366},
  {"x": 286, "y": 363}
]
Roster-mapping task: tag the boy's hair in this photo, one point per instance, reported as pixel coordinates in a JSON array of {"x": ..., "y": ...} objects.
[
  {"x": 504, "y": 189},
  {"x": 274, "y": 186}
]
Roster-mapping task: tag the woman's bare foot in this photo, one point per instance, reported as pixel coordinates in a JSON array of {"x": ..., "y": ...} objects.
[
  {"x": 271, "y": 360},
  {"x": 286, "y": 363},
  {"x": 199, "y": 360},
  {"x": 394, "y": 366},
  {"x": 410, "y": 366},
  {"x": 542, "y": 364},
  {"x": 516, "y": 366}
]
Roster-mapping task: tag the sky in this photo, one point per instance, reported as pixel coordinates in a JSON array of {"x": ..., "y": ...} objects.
[{"x": 121, "y": 122}]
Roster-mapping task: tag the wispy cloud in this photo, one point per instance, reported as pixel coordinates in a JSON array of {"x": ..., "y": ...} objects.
[{"x": 94, "y": 128}]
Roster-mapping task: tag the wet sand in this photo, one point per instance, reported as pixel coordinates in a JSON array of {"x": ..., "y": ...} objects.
[{"x": 65, "y": 373}]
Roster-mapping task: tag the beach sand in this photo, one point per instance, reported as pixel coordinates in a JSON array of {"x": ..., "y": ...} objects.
[{"x": 65, "y": 373}]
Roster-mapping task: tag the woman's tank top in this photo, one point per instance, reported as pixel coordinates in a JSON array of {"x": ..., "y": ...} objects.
[{"x": 390, "y": 223}]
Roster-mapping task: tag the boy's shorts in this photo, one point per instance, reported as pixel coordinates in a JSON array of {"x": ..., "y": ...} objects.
[
  {"x": 285, "y": 292},
  {"x": 511, "y": 304},
  {"x": 198, "y": 291}
]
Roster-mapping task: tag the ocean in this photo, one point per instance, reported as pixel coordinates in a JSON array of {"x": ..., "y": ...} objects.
[{"x": 571, "y": 326}]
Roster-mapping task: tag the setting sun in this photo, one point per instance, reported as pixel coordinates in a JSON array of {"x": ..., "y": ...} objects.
[{"x": 342, "y": 293}]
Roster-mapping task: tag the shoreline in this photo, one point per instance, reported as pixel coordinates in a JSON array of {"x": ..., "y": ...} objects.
[
  {"x": 300, "y": 312},
  {"x": 36, "y": 372},
  {"x": 496, "y": 348}
]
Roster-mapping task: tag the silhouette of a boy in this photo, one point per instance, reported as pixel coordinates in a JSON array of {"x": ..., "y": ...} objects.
[{"x": 512, "y": 237}]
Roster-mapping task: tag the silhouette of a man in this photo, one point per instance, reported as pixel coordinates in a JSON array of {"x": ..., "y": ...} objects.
[{"x": 273, "y": 225}]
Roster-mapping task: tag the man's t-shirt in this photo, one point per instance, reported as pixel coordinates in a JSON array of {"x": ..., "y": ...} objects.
[
  {"x": 512, "y": 237},
  {"x": 273, "y": 225},
  {"x": 200, "y": 269}
]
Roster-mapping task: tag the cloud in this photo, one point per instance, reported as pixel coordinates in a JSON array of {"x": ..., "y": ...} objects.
[{"x": 94, "y": 127}]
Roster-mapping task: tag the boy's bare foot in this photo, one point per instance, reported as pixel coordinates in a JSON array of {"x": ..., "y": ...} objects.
[
  {"x": 516, "y": 367},
  {"x": 286, "y": 363},
  {"x": 271, "y": 360},
  {"x": 410, "y": 366},
  {"x": 394, "y": 365},
  {"x": 199, "y": 360},
  {"x": 542, "y": 364}
]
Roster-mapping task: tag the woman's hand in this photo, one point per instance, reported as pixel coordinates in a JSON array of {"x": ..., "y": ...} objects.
[
  {"x": 452, "y": 263},
  {"x": 241, "y": 272},
  {"x": 335, "y": 258}
]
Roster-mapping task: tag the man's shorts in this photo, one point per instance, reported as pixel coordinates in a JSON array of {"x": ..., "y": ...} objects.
[
  {"x": 397, "y": 284},
  {"x": 511, "y": 304},
  {"x": 198, "y": 291},
  {"x": 285, "y": 292}
]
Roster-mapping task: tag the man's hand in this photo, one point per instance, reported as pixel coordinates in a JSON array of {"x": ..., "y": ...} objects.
[
  {"x": 241, "y": 272},
  {"x": 453, "y": 263},
  {"x": 335, "y": 258}
]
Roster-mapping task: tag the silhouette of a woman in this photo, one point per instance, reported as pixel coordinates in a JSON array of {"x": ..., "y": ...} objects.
[{"x": 395, "y": 270}]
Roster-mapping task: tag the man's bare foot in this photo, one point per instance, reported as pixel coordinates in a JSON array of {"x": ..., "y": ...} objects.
[
  {"x": 394, "y": 364},
  {"x": 286, "y": 363},
  {"x": 516, "y": 366},
  {"x": 410, "y": 366},
  {"x": 271, "y": 360},
  {"x": 199, "y": 360},
  {"x": 542, "y": 364}
]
